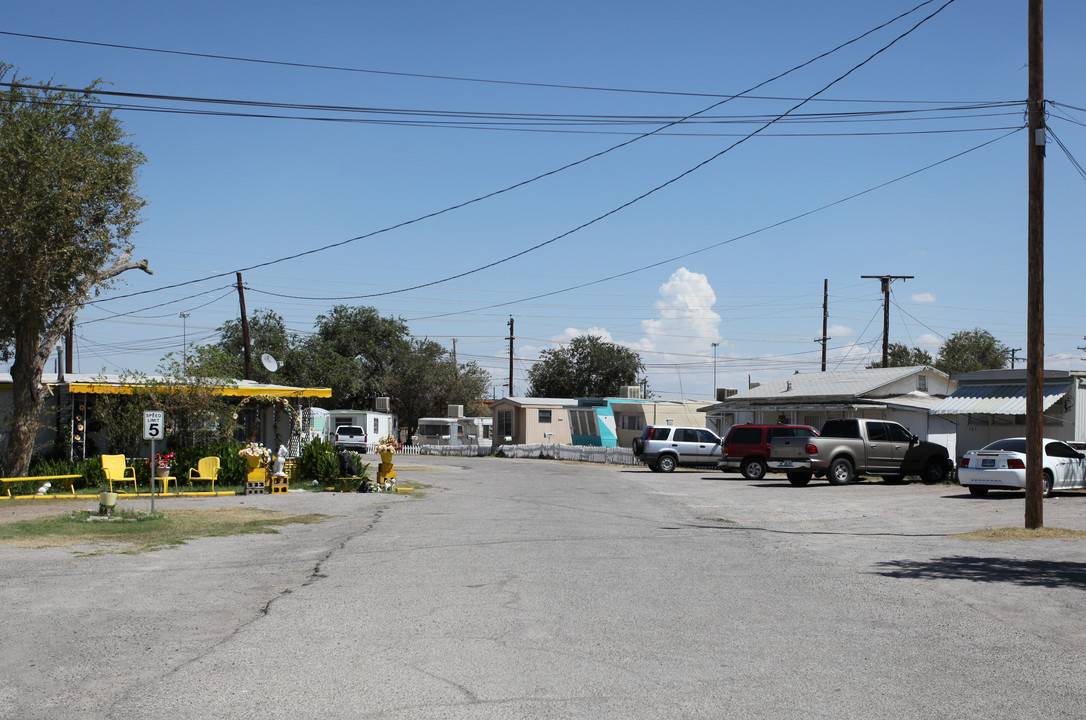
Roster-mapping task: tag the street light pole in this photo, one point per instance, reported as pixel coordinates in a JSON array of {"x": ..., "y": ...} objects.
[{"x": 184, "y": 341}]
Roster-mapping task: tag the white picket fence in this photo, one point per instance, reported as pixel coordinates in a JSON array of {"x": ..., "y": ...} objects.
[{"x": 552, "y": 451}]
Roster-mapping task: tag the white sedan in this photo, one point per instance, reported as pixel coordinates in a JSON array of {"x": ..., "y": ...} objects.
[{"x": 1002, "y": 466}]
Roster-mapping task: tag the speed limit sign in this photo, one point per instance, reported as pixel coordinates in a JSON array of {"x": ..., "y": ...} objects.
[{"x": 154, "y": 424}]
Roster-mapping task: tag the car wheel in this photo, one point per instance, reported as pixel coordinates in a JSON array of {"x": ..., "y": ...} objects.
[
  {"x": 841, "y": 472},
  {"x": 799, "y": 479},
  {"x": 753, "y": 469},
  {"x": 893, "y": 479},
  {"x": 1047, "y": 484},
  {"x": 978, "y": 490},
  {"x": 934, "y": 472},
  {"x": 666, "y": 463}
]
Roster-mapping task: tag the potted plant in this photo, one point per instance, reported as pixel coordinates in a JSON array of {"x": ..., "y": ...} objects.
[
  {"x": 255, "y": 454},
  {"x": 162, "y": 462}
]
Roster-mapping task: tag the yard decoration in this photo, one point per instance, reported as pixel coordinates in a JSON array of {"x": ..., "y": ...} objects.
[{"x": 386, "y": 471}]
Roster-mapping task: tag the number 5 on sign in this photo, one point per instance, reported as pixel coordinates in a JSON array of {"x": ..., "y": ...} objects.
[{"x": 154, "y": 423}]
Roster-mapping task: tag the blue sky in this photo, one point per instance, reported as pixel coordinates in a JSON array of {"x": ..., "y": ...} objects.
[{"x": 734, "y": 251}]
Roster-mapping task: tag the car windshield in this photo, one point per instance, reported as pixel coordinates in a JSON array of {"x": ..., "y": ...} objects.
[{"x": 1008, "y": 445}]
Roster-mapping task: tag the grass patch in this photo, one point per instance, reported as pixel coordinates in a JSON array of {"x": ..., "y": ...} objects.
[
  {"x": 719, "y": 520},
  {"x": 1010, "y": 533},
  {"x": 131, "y": 532}
]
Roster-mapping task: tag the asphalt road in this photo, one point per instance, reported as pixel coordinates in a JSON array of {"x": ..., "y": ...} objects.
[{"x": 539, "y": 589}]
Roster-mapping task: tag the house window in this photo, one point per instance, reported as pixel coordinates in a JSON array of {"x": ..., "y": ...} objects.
[
  {"x": 544, "y": 416},
  {"x": 922, "y": 383},
  {"x": 631, "y": 422},
  {"x": 505, "y": 423},
  {"x": 375, "y": 426}
]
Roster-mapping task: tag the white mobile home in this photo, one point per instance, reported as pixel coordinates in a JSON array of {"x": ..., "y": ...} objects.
[{"x": 376, "y": 424}]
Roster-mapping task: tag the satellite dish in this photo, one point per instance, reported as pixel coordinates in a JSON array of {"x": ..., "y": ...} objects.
[{"x": 269, "y": 363}]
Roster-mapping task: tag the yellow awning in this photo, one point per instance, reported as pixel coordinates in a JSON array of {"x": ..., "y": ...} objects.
[{"x": 105, "y": 388}]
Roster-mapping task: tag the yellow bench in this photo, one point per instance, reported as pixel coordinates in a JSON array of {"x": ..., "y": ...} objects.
[{"x": 42, "y": 478}]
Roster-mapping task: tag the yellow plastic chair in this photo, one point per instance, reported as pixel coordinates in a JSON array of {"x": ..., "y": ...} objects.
[
  {"x": 206, "y": 469},
  {"x": 116, "y": 471}
]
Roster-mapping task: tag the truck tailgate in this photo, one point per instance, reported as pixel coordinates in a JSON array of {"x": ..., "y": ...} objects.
[{"x": 789, "y": 453}]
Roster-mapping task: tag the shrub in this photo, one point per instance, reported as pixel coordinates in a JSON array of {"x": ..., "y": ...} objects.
[{"x": 318, "y": 462}]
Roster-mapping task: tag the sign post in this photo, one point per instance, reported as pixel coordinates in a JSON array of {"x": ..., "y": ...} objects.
[{"x": 154, "y": 424}]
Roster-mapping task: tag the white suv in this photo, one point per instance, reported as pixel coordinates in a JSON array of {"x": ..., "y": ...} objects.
[{"x": 665, "y": 447}]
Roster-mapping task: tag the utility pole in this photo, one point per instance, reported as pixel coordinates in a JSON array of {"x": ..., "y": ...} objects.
[
  {"x": 184, "y": 340},
  {"x": 715, "y": 346},
  {"x": 245, "y": 332},
  {"x": 886, "y": 280},
  {"x": 1035, "y": 294},
  {"x": 69, "y": 347},
  {"x": 510, "y": 339},
  {"x": 1014, "y": 351},
  {"x": 825, "y": 319}
]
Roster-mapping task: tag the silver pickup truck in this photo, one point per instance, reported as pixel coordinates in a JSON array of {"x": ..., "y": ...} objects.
[{"x": 850, "y": 447}]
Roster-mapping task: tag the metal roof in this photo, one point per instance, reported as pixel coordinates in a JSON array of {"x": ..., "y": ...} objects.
[
  {"x": 826, "y": 385},
  {"x": 996, "y": 399}
]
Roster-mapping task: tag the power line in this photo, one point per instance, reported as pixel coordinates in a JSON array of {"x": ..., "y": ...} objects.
[
  {"x": 573, "y": 164},
  {"x": 424, "y": 76},
  {"x": 733, "y": 239}
]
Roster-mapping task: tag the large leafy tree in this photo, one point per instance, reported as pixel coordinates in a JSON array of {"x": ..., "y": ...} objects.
[
  {"x": 971, "y": 350},
  {"x": 226, "y": 358},
  {"x": 587, "y": 367},
  {"x": 68, "y": 206},
  {"x": 427, "y": 381},
  {"x": 353, "y": 351},
  {"x": 903, "y": 356}
]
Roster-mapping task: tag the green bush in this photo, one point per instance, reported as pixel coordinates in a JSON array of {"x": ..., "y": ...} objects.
[
  {"x": 318, "y": 462},
  {"x": 232, "y": 469}
]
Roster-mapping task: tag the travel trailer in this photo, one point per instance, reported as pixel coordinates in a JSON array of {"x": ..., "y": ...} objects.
[{"x": 454, "y": 431}]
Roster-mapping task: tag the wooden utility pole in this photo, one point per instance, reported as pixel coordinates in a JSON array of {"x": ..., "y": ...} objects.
[
  {"x": 245, "y": 331},
  {"x": 1035, "y": 311},
  {"x": 510, "y": 339},
  {"x": 825, "y": 319},
  {"x": 886, "y": 280},
  {"x": 69, "y": 347}
]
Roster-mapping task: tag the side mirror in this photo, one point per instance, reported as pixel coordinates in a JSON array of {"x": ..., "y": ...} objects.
[{"x": 914, "y": 439}]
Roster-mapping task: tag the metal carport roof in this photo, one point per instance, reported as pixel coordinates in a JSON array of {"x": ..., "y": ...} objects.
[{"x": 996, "y": 399}]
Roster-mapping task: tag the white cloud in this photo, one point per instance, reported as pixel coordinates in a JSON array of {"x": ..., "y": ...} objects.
[
  {"x": 923, "y": 298},
  {"x": 686, "y": 321},
  {"x": 839, "y": 331},
  {"x": 571, "y": 332},
  {"x": 929, "y": 341}
]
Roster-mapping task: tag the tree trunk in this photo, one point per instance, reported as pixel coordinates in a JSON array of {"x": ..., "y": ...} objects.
[
  {"x": 26, "y": 404},
  {"x": 33, "y": 346}
]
